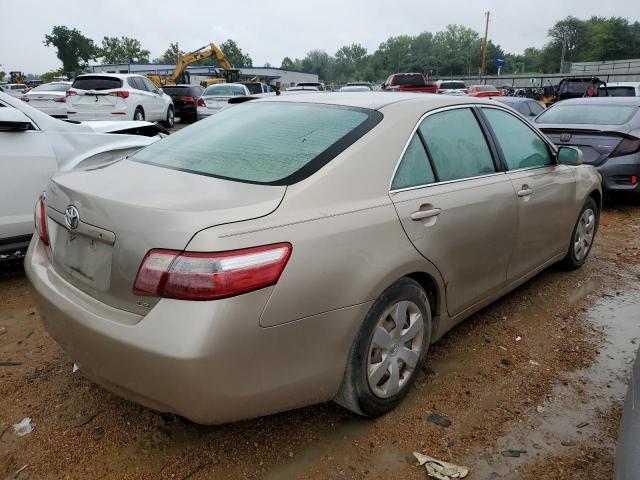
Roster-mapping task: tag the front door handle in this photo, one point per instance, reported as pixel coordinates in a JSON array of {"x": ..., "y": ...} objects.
[
  {"x": 422, "y": 214},
  {"x": 525, "y": 191}
]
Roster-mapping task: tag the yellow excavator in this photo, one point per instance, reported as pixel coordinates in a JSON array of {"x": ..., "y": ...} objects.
[{"x": 180, "y": 74}]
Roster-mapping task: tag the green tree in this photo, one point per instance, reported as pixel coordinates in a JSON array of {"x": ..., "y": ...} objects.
[
  {"x": 73, "y": 49},
  {"x": 235, "y": 54},
  {"x": 287, "y": 64},
  {"x": 170, "y": 55},
  {"x": 349, "y": 62},
  {"x": 318, "y": 62},
  {"x": 48, "y": 76},
  {"x": 2, "y": 75},
  {"x": 123, "y": 50}
]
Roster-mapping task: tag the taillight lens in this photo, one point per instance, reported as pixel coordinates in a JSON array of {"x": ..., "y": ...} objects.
[
  {"x": 200, "y": 103},
  {"x": 70, "y": 92},
  {"x": 186, "y": 99},
  {"x": 120, "y": 93},
  {"x": 627, "y": 146},
  {"x": 40, "y": 220},
  {"x": 210, "y": 276}
]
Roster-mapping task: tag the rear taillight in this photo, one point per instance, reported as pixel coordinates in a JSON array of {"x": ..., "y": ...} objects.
[
  {"x": 120, "y": 93},
  {"x": 70, "y": 92},
  {"x": 40, "y": 220},
  {"x": 465, "y": 90},
  {"x": 186, "y": 99},
  {"x": 59, "y": 99},
  {"x": 200, "y": 102},
  {"x": 25, "y": 99},
  {"x": 209, "y": 276},
  {"x": 627, "y": 146}
]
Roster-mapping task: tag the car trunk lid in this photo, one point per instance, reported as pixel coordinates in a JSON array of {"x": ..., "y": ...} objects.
[
  {"x": 129, "y": 208},
  {"x": 596, "y": 145}
]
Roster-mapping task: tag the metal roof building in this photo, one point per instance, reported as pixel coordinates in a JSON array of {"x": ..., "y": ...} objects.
[{"x": 271, "y": 75}]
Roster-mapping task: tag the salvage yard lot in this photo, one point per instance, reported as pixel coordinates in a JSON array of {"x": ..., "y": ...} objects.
[{"x": 530, "y": 384}]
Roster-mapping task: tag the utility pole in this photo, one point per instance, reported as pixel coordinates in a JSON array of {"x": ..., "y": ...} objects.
[
  {"x": 483, "y": 69},
  {"x": 564, "y": 48}
]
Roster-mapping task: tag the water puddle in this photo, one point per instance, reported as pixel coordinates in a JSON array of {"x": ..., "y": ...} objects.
[{"x": 569, "y": 416}]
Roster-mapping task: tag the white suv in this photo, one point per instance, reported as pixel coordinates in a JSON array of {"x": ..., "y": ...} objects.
[{"x": 100, "y": 96}]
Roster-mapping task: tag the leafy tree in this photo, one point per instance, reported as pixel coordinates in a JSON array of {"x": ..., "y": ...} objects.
[
  {"x": 349, "y": 62},
  {"x": 318, "y": 62},
  {"x": 2, "y": 75},
  {"x": 74, "y": 49},
  {"x": 235, "y": 54},
  {"x": 287, "y": 64},
  {"x": 48, "y": 76},
  {"x": 123, "y": 50},
  {"x": 170, "y": 55}
]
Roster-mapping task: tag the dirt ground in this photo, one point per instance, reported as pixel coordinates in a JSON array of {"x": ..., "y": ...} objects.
[{"x": 532, "y": 386}]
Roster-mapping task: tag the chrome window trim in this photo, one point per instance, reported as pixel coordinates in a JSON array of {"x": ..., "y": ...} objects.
[
  {"x": 413, "y": 132},
  {"x": 457, "y": 180}
]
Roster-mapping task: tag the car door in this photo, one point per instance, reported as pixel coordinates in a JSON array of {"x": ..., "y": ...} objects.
[
  {"x": 156, "y": 99},
  {"x": 27, "y": 162},
  {"x": 545, "y": 191},
  {"x": 455, "y": 205}
]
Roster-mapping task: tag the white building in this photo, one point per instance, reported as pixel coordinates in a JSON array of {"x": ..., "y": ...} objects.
[{"x": 271, "y": 75}]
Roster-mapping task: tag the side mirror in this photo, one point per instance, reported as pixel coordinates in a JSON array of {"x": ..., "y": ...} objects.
[
  {"x": 570, "y": 156},
  {"x": 13, "y": 120}
]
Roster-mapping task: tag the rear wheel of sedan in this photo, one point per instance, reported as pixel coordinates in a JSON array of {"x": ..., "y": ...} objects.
[
  {"x": 388, "y": 351},
  {"x": 583, "y": 235},
  {"x": 170, "y": 119}
]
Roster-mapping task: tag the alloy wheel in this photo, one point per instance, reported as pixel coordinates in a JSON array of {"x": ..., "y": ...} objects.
[{"x": 584, "y": 234}]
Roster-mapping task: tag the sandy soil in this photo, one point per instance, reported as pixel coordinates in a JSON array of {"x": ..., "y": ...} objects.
[{"x": 500, "y": 394}]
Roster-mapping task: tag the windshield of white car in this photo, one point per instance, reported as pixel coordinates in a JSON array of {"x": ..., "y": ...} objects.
[
  {"x": 96, "y": 83},
  {"x": 262, "y": 142},
  {"x": 224, "y": 90},
  {"x": 596, "y": 114},
  {"x": 52, "y": 87}
]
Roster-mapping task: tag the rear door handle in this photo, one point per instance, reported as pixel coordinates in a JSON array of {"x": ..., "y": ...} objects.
[
  {"x": 525, "y": 191},
  {"x": 422, "y": 214}
]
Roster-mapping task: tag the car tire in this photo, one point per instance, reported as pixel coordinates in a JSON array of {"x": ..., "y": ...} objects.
[
  {"x": 170, "y": 119},
  {"x": 381, "y": 367},
  {"x": 138, "y": 115},
  {"x": 583, "y": 236}
]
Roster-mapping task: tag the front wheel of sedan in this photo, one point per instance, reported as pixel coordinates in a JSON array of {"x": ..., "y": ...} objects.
[
  {"x": 389, "y": 350},
  {"x": 583, "y": 236}
]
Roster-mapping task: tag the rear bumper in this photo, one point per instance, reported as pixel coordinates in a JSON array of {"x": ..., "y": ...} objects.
[
  {"x": 185, "y": 111},
  {"x": 204, "y": 112},
  {"x": 208, "y": 361},
  {"x": 87, "y": 115},
  {"x": 57, "y": 111},
  {"x": 616, "y": 171}
]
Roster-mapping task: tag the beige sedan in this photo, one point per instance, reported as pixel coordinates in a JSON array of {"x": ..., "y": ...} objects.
[{"x": 299, "y": 249}]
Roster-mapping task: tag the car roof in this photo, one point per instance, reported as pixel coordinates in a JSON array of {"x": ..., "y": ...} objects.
[
  {"x": 512, "y": 100},
  {"x": 622, "y": 84},
  {"x": 116, "y": 75},
  {"x": 630, "y": 101},
  {"x": 376, "y": 100}
]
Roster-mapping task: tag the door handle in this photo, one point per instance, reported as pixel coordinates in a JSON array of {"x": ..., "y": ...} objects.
[
  {"x": 422, "y": 214},
  {"x": 525, "y": 191}
]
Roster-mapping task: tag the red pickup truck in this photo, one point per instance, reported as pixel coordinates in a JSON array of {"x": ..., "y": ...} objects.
[{"x": 409, "y": 82}]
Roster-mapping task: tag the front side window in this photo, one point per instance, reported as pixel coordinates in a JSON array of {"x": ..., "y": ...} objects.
[
  {"x": 299, "y": 140},
  {"x": 414, "y": 169},
  {"x": 456, "y": 145},
  {"x": 521, "y": 147}
]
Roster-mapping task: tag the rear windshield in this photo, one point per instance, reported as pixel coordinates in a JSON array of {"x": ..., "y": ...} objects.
[
  {"x": 52, "y": 87},
  {"x": 411, "y": 79},
  {"x": 269, "y": 143},
  {"x": 618, "y": 91},
  {"x": 225, "y": 90},
  {"x": 97, "y": 83},
  {"x": 453, "y": 86},
  {"x": 253, "y": 87},
  {"x": 176, "y": 90},
  {"x": 597, "y": 114}
]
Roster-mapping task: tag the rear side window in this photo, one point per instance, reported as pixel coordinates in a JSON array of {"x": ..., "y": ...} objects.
[
  {"x": 597, "y": 114},
  {"x": 414, "y": 169},
  {"x": 456, "y": 144},
  {"x": 96, "y": 83},
  {"x": 521, "y": 147},
  {"x": 264, "y": 142}
]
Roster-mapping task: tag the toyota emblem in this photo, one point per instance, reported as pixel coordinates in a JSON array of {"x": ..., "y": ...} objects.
[{"x": 72, "y": 217}]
